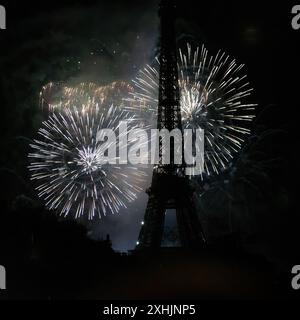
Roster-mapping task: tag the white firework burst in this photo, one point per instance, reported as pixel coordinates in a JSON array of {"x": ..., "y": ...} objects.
[
  {"x": 214, "y": 94},
  {"x": 67, "y": 166}
]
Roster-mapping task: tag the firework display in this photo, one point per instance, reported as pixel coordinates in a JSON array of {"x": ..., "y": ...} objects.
[
  {"x": 214, "y": 96},
  {"x": 58, "y": 96},
  {"x": 67, "y": 163}
]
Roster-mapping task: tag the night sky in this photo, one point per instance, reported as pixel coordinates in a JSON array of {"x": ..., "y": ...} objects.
[{"x": 105, "y": 41}]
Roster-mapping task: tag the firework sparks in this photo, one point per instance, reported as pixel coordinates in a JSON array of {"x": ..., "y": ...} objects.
[
  {"x": 213, "y": 96},
  {"x": 58, "y": 96},
  {"x": 67, "y": 166}
]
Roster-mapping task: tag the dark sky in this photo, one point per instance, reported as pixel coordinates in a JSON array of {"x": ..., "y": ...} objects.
[{"x": 44, "y": 42}]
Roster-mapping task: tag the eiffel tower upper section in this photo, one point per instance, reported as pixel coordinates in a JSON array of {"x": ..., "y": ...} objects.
[{"x": 169, "y": 115}]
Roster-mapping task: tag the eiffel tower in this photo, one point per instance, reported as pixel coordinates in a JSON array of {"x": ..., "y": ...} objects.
[{"x": 170, "y": 189}]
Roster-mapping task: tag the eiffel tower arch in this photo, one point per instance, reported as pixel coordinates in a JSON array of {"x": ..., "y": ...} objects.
[{"x": 170, "y": 188}]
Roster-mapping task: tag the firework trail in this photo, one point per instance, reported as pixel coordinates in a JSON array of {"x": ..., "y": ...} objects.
[
  {"x": 214, "y": 94},
  {"x": 57, "y": 96},
  {"x": 66, "y": 163}
]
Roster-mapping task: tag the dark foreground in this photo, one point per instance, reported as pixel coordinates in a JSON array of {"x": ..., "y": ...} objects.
[
  {"x": 169, "y": 274},
  {"x": 47, "y": 259}
]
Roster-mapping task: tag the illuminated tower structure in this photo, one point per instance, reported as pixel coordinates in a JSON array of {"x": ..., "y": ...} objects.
[{"x": 170, "y": 188}]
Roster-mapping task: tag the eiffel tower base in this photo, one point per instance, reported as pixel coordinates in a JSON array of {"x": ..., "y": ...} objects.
[{"x": 170, "y": 192}]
